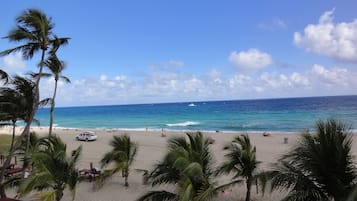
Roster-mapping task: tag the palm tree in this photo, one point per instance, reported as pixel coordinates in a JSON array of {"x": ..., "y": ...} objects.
[
  {"x": 187, "y": 165},
  {"x": 11, "y": 109},
  {"x": 16, "y": 103},
  {"x": 56, "y": 67},
  {"x": 122, "y": 154},
  {"x": 241, "y": 161},
  {"x": 17, "y": 100},
  {"x": 35, "y": 29},
  {"x": 319, "y": 167},
  {"x": 52, "y": 169},
  {"x": 26, "y": 89}
]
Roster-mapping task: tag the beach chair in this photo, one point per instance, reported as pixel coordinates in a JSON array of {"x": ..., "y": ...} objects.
[
  {"x": 90, "y": 173},
  {"x": 12, "y": 170}
]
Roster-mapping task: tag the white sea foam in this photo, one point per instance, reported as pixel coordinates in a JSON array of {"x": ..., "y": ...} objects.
[{"x": 183, "y": 124}]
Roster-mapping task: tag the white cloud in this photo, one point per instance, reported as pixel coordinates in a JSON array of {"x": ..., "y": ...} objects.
[
  {"x": 251, "y": 60},
  {"x": 240, "y": 80},
  {"x": 280, "y": 23},
  {"x": 171, "y": 87},
  {"x": 215, "y": 76},
  {"x": 333, "y": 77},
  {"x": 282, "y": 81},
  {"x": 120, "y": 78},
  {"x": 335, "y": 40},
  {"x": 14, "y": 63},
  {"x": 193, "y": 85},
  {"x": 103, "y": 78},
  {"x": 273, "y": 25}
]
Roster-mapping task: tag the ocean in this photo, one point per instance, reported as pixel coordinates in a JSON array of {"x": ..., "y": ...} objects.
[{"x": 271, "y": 115}]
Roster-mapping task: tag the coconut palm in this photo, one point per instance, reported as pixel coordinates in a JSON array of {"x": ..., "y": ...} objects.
[
  {"x": 26, "y": 88},
  {"x": 122, "y": 155},
  {"x": 187, "y": 165},
  {"x": 53, "y": 170},
  {"x": 11, "y": 109},
  {"x": 56, "y": 67},
  {"x": 319, "y": 167},
  {"x": 16, "y": 101},
  {"x": 241, "y": 161},
  {"x": 33, "y": 28}
]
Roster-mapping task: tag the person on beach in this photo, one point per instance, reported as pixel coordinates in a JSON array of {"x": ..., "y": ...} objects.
[{"x": 162, "y": 133}]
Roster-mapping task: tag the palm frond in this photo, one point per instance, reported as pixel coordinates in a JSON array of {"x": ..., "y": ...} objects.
[
  {"x": 45, "y": 102},
  {"x": 319, "y": 166},
  {"x": 47, "y": 195},
  {"x": 159, "y": 196},
  {"x": 4, "y": 76},
  {"x": 52, "y": 168}
]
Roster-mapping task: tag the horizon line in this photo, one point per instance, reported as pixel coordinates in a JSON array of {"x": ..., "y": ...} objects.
[{"x": 202, "y": 101}]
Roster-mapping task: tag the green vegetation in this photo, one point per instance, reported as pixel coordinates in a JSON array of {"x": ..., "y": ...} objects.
[
  {"x": 35, "y": 31},
  {"x": 56, "y": 67},
  {"x": 187, "y": 165},
  {"x": 241, "y": 162},
  {"x": 53, "y": 170},
  {"x": 5, "y": 142},
  {"x": 122, "y": 155},
  {"x": 319, "y": 167}
]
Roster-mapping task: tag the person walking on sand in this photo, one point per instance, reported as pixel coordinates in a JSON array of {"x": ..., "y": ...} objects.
[{"x": 162, "y": 133}]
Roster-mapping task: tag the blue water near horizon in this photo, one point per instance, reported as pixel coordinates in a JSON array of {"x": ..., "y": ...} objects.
[{"x": 275, "y": 115}]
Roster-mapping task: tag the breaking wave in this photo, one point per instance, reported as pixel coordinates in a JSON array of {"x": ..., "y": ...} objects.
[{"x": 184, "y": 124}]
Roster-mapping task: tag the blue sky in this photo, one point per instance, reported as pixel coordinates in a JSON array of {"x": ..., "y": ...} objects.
[{"x": 124, "y": 52}]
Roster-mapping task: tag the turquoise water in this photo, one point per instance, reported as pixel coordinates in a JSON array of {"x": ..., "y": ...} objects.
[{"x": 291, "y": 114}]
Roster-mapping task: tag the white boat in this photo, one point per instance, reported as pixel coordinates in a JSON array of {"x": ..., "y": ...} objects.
[
  {"x": 87, "y": 136},
  {"x": 191, "y": 105}
]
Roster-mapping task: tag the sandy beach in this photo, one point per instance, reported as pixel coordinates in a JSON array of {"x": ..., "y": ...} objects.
[{"x": 152, "y": 147}]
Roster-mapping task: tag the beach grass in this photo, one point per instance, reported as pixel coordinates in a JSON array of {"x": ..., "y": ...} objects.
[{"x": 5, "y": 142}]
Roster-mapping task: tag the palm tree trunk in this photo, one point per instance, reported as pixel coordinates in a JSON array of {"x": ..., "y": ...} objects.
[
  {"x": 13, "y": 134},
  {"x": 36, "y": 101},
  {"x": 2, "y": 191},
  {"x": 249, "y": 185},
  {"x": 126, "y": 178},
  {"x": 52, "y": 108},
  {"x": 59, "y": 195}
]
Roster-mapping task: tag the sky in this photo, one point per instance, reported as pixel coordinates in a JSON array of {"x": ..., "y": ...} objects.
[{"x": 129, "y": 52}]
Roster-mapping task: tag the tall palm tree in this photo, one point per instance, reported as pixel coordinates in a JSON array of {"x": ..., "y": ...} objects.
[
  {"x": 16, "y": 101},
  {"x": 122, "y": 155},
  {"x": 241, "y": 161},
  {"x": 52, "y": 169},
  {"x": 33, "y": 28},
  {"x": 319, "y": 167},
  {"x": 187, "y": 165},
  {"x": 11, "y": 109},
  {"x": 56, "y": 67}
]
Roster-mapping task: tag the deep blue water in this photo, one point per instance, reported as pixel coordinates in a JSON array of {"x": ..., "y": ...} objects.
[{"x": 289, "y": 114}]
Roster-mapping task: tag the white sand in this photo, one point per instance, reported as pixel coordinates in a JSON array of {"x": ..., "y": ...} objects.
[{"x": 152, "y": 147}]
